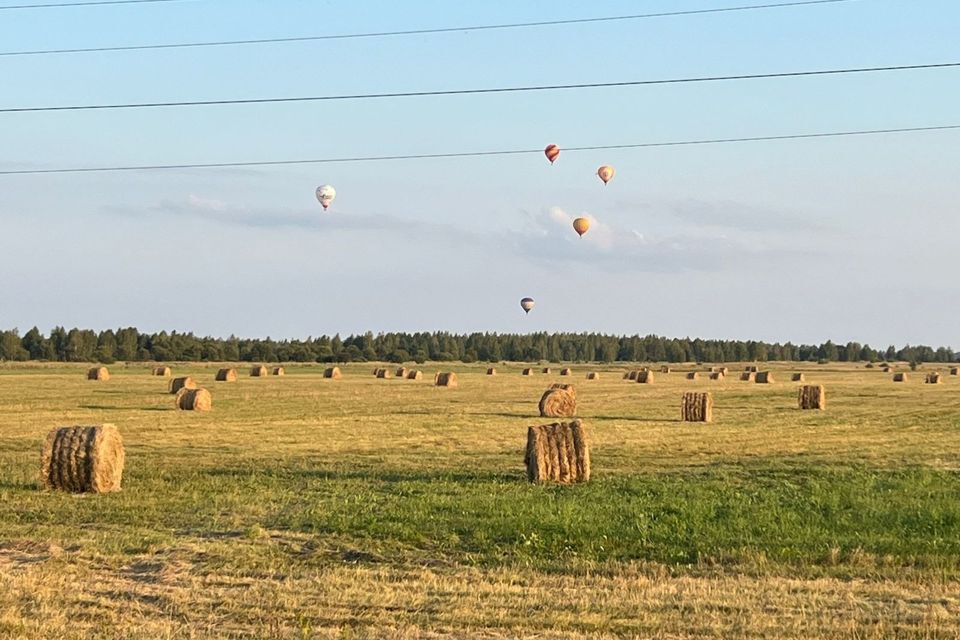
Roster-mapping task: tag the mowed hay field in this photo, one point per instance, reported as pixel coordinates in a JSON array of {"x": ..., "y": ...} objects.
[{"x": 304, "y": 507}]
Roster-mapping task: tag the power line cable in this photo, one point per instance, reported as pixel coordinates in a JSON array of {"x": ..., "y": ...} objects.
[
  {"x": 478, "y": 154},
  {"x": 410, "y": 32},
  {"x": 462, "y": 92},
  {"x": 91, "y": 3}
]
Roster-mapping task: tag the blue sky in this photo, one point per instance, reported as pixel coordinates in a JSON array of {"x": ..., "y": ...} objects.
[{"x": 802, "y": 240}]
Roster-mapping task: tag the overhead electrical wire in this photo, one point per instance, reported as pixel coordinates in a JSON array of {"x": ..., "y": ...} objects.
[
  {"x": 412, "y": 32},
  {"x": 478, "y": 154},
  {"x": 462, "y": 92},
  {"x": 90, "y": 3}
]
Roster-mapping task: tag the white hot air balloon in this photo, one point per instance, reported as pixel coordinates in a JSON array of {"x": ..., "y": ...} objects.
[{"x": 326, "y": 195}]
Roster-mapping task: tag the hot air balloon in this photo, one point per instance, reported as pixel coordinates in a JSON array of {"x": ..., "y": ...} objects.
[
  {"x": 581, "y": 226},
  {"x": 606, "y": 173},
  {"x": 527, "y": 304},
  {"x": 552, "y": 152},
  {"x": 326, "y": 195}
]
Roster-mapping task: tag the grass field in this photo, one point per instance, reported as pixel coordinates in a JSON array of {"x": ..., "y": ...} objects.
[{"x": 362, "y": 508}]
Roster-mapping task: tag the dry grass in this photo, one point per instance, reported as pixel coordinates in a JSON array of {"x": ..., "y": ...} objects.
[{"x": 218, "y": 534}]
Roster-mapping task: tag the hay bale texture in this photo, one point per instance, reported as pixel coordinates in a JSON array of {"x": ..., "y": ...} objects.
[
  {"x": 558, "y": 452},
  {"x": 798, "y": 377},
  {"x": 764, "y": 377},
  {"x": 227, "y": 375},
  {"x": 693, "y": 375},
  {"x": 593, "y": 375},
  {"x": 278, "y": 371},
  {"x": 163, "y": 372},
  {"x": 401, "y": 372},
  {"x": 194, "y": 400},
  {"x": 332, "y": 373},
  {"x": 934, "y": 378},
  {"x": 812, "y": 396},
  {"x": 185, "y": 382},
  {"x": 748, "y": 376},
  {"x": 446, "y": 379},
  {"x": 558, "y": 402},
  {"x": 527, "y": 372},
  {"x": 566, "y": 372},
  {"x": 98, "y": 373},
  {"x": 83, "y": 459},
  {"x": 697, "y": 407},
  {"x": 258, "y": 371},
  {"x": 900, "y": 377},
  {"x": 645, "y": 377},
  {"x": 413, "y": 374},
  {"x": 384, "y": 374},
  {"x": 491, "y": 371},
  {"x": 633, "y": 375}
]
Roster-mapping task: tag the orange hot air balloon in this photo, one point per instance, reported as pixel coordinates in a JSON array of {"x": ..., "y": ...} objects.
[
  {"x": 606, "y": 173},
  {"x": 581, "y": 226},
  {"x": 552, "y": 152}
]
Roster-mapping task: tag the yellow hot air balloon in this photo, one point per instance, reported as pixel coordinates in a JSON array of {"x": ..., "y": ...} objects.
[
  {"x": 581, "y": 226},
  {"x": 606, "y": 173}
]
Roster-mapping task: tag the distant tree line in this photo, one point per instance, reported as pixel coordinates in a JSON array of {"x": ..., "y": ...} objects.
[{"x": 129, "y": 344}]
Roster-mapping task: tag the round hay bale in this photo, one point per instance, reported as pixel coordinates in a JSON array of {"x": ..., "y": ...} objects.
[
  {"x": 565, "y": 387},
  {"x": 194, "y": 400},
  {"x": 227, "y": 375},
  {"x": 258, "y": 371},
  {"x": 558, "y": 452},
  {"x": 900, "y": 377},
  {"x": 413, "y": 374},
  {"x": 633, "y": 375},
  {"x": 717, "y": 375},
  {"x": 645, "y": 376},
  {"x": 558, "y": 403},
  {"x": 278, "y": 371},
  {"x": 332, "y": 373},
  {"x": 697, "y": 407},
  {"x": 693, "y": 375},
  {"x": 446, "y": 379},
  {"x": 384, "y": 374},
  {"x": 664, "y": 369},
  {"x": 764, "y": 377},
  {"x": 812, "y": 397},
  {"x": 163, "y": 372},
  {"x": 401, "y": 372},
  {"x": 798, "y": 377},
  {"x": 98, "y": 373},
  {"x": 185, "y": 382},
  {"x": 546, "y": 370},
  {"x": 566, "y": 372},
  {"x": 955, "y": 371},
  {"x": 527, "y": 372},
  {"x": 83, "y": 459},
  {"x": 491, "y": 371},
  {"x": 934, "y": 378},
  {"x": 593, "y": 375},
  {"x": 748, "y": 376}
]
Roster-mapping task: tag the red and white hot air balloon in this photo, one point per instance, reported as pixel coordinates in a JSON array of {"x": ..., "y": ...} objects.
[{"x": 552, "y": 152}]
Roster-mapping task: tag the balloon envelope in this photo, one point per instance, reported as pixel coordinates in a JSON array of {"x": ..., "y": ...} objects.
[
  {"x": 581, "y": 226},
  {"x": 326, "y": 195},
  {"x": 527, "y": 304},
  {"x": 606, "y": 173},
  {"x": 552, "y": 152}
]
